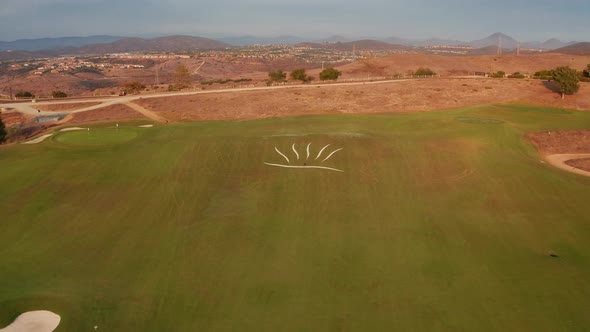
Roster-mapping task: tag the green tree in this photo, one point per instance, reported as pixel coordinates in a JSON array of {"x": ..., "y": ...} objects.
[
  {"x": 567, "y": 80},
  {"x": 2, "y": 131},
  {"x": 277, "y": 76},
  {"x": 182, "y": 76},
  {"x": 59, "y": 94},
  {"x": 330, "y": 74},
  {"x": 300, "y": 75},
  {"x": 587, "y": 72}
]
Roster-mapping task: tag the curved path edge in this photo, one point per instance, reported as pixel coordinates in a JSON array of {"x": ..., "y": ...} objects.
[
  {"x": 559, "y": 161},
  {"x": 34, "y": 321}
]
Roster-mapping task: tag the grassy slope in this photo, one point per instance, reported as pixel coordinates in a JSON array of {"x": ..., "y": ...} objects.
[{"x": 437, "y": 224}]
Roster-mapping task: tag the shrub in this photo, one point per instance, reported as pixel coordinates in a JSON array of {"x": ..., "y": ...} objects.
[
  {"x": 330, "y": 74},
  {"x": 277, "y": 76},
  {"x": 499, "y": 74},
  {"x": 24, "y": 94},
  {"x": 300, "y": 75},
  {"x": 544, "y": 74},
  {"x": 59, "y": 94},
  {"x": 2, "y": 131},
  {"x": 424, "y": 72},
  {"x": 516, "y": 75},
  {"x": 132, "y": 86}
]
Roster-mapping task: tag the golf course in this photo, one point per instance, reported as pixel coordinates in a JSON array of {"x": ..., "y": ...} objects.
[{"x": 431, "y": 221}]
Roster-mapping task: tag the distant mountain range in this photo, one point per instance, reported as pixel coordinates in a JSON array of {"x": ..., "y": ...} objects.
[
  {"x": 280, "y": 40},
  {"x": 33, "y": 45},
  {"x": 492, "y": 40},
  {"x": 359, "y": 45},
  {"x": 31, "y": 48},
  {"x": 170, "y": 43}
]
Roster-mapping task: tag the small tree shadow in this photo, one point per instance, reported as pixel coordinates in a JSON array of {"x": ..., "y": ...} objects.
[{"x": 552, "y": 86}]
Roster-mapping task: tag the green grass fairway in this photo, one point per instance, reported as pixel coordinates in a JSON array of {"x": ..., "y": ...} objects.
[
  {"x": 441, "y": 221},
  {"x": 98, "y": 136}
]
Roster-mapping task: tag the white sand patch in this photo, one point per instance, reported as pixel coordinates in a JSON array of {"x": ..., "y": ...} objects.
[
  {"x": 282, "y": 154},
  {"x": 34, "y": 321},
  {"x": 558, "y": 160},
  {"x": 306, "y": 167},
  {"x": 322, "y": 151},
  {"x": 294, "y": 150},
  {"x": 146, "y": 126},
  {"x": 331, "y": 154},
  {"x": 38, "y": 139},
  {"x": 73, "y": 129}
]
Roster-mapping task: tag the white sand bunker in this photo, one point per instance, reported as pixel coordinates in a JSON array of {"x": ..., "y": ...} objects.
[
  {"x": 73, "y": 129},
  {"x": 34, "y": 321},
  {"x": 146, "y": 126},
  {"x": 308, "y": 155},
  {"x": 559, "y": 161},
  {"x": 37, "y": 140}
]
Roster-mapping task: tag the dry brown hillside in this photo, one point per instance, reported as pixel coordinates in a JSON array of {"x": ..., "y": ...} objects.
[{"x": 462, "y": 65}]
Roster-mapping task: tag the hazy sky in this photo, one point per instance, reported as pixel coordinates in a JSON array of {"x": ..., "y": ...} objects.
[{"x": 526, "y": 20}]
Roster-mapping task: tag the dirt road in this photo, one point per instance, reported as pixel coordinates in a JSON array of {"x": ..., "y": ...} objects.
[{"x": 31, "y": 109}]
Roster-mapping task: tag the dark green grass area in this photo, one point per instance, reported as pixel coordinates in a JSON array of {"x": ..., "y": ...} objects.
[
  {"x": 435, "y": 225},
  {"x": 98, "y": 136}
]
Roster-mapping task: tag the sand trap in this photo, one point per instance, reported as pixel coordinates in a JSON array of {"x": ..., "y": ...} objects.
[
  {"x": 146, "y": 126},
  {"x": 38, "y": 139},
  {"x": 558, "y": 160},
  {"x": 306, "y": 167},
  {"x": 73, "y": 129},
  {"x": 34, "y": 321}
]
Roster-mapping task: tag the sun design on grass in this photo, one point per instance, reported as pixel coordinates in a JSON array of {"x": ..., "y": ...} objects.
[{"x": 309, "y": 162}]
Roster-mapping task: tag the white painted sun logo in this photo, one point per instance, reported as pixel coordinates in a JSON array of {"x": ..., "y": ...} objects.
[{"x": 307, "y": 162}]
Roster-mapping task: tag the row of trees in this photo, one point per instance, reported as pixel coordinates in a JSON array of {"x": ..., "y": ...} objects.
[
  {"x": 30, "y": 95},
  {"x": 567, "y": 79},
  {"x": 279, "y": 76}
]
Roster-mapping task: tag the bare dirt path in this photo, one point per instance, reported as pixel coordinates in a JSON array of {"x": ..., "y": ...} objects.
[
  {"x": 32, "y": 109},
  {"x": 559, "y": 161},
  {"x": 147, "y": 113}
]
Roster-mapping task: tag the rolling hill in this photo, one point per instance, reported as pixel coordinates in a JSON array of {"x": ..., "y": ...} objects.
[
  {"x": 575, "y": 49},
  {"x": 170, "y": 43},
  {"x": 32, "y": 45}
]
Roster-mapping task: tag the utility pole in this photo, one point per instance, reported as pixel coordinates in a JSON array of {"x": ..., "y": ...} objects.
[
  {"x": 10, "y": 87},
  {"x": 499, "y": 44}
]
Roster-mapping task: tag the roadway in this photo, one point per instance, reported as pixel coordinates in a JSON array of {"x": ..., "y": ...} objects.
[{"x": 31, "y": 109}]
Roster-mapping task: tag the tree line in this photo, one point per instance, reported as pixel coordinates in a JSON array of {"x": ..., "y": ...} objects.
[{"x": 279, "y": 76}]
